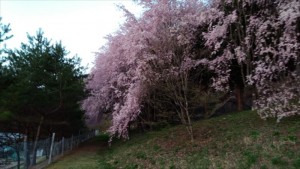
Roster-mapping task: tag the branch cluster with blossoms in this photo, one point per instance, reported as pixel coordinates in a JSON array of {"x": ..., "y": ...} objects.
[{"x": 257, "y": 40}]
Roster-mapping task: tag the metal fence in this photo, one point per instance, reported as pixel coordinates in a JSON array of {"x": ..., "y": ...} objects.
[{"x": 21, "y": 155}]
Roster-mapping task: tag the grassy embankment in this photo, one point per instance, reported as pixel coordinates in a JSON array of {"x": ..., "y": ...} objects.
[{"x": 238, "y": 140}]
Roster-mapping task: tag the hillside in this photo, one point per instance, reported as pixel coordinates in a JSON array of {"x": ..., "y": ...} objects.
[{"x": 238, "y": 140}]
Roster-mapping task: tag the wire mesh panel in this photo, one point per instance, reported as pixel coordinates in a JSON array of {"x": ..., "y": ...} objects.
[
  {"x": 10, "y": 150},
  {"x": 14, "y": 154},
  {"x": 41, "y": 152}
]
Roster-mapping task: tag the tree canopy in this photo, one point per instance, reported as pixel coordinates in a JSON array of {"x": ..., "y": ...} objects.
[
  {"x": 42, "y": 85},
  {"x": 220, "y": 46}
]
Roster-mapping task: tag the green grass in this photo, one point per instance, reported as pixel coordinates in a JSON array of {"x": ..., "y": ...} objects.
[
  {"x": 84, "y": 157},
  {"x": 238, "y": 140},
  {"x": 79, "y": 160}
]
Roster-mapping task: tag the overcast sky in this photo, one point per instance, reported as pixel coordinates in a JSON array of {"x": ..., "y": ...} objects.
[{"x": 81, "y": 25}]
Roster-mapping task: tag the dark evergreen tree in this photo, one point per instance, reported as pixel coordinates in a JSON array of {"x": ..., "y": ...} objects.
[{"x": 43, "y": 89}]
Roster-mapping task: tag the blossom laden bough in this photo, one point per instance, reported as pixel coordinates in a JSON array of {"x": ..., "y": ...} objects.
[{"x": 240, "y": 44}]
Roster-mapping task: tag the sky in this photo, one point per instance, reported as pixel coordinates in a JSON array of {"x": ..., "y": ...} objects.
[{"x": 81, "y": 25}]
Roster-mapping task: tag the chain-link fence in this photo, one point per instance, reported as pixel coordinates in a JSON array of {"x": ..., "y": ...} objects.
[{"x": 20, "y": 154}]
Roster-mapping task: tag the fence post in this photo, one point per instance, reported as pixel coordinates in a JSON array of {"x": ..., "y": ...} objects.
[
  {"x": 26, "y": 157},
  {"x": 63, "y": 145},
  {"x": 51, "y": 148}
]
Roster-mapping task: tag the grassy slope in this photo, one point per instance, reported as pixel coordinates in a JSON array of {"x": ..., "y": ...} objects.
[
  {"x": 238, "y": 140},
  {"x": 84, "y": 157}
]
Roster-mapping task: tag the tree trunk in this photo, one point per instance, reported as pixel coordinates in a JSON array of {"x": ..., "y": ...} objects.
[
  {"x": 18, "y": 158},
  {"x": 36, "y": 140},
  {"x": 186, "y": 120},
  {"x": 26, "y": 152},
  {"x": 191, "y": 132},
  {"x": 205, "y": 106},
  {"x": 239, "y": 92}
]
